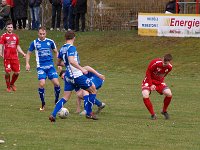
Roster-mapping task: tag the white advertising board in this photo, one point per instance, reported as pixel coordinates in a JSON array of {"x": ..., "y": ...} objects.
[{"x": 174, "y": 25}]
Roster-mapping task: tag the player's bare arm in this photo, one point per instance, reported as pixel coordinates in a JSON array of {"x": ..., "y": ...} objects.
[
  {"x": 1, "y": 50},
  {"x": 55, "y": 51},
  {"x": 20, "y": 50},
  {"x": 76, "y": 65},
  {"x": 27, "y": 61},
  {"x": 60, "y": 62},
  {"x": 90, "y": 69}
]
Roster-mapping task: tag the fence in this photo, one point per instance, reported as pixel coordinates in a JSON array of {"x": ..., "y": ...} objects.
[{"x": 116, "y": 14}]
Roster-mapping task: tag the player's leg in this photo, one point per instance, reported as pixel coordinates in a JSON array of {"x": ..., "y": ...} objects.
[
  {"x": 53, "y": 76},
  {"x": 90, "y": 103},
  {"x": 86, "y": 84},
  {"x": 41, "y": 91},
  {"x": 98, "y": 84},
  {"x": 7, "y": 68},
  {"x": 56, "y": 89},
  {"x": 79, "y": 93},
  {"x": 16, "y": 69},
  {"x": 148, "y": 104},
  {"x": 69, "y": 87},
  {"x": 168, "y": 97},
  {"x": 59, "y": 105}
]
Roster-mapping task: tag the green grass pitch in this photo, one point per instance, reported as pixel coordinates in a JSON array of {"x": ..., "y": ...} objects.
[{"x": 124, "y": 124}]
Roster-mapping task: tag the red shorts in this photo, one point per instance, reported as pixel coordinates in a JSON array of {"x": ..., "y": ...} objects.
[
  {"x": 159, "y": 87},
  {"x": 11, "y": 65}
]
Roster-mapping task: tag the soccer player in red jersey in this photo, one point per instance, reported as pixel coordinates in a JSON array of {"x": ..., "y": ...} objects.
[
  {"x": 9, "y": 48},
  {"x": 154, "y": 80}
]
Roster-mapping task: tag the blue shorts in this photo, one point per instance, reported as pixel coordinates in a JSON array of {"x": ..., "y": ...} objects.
[
  {"x": 97, "y": 82},
  {"x": 44, "y": 73},
  {"x": 81, "y": 82}
]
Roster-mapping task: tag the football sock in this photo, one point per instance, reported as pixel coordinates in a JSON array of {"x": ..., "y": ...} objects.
[
  {"x": 167, "y": 101},
  {"x": 41, "y": 92},
  {"x": 14, "y": 78},
  {"x": 90, "y": 103},
  {"x": 57, "y": 93},
  {"x": 97, "y": 102},
  {"x": 58, "y": 106},
  {"x": 86, "y": 98},
  {"x": 149, "y": 105},
  {"x": 7, "y": 78}
]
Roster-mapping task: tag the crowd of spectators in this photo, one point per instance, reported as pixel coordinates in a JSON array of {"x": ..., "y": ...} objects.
[{"x": 17, "y": 10}]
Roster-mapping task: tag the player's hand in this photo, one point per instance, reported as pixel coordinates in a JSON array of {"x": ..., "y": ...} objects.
[
  {"x": 153, "y": 88},
  {"x": 102, "y": 77},
  {"x": 60, "y": 68},
  {"x": 28, "y": 67},
  {"x": 24, "y": 55}
]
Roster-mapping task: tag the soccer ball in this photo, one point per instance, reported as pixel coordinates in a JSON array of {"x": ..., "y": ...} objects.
[{"x": 63, "y": 113}]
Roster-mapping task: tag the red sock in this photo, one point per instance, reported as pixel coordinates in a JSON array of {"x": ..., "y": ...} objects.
[
  {"x": 7, "y": 78},
  {"x": 149, "y": 105},
  {"x": 14, "y": 78},
  {"x": 167, "y": 101}
]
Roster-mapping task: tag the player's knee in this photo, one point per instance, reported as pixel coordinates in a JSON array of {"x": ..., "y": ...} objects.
[
  {"x": 145, "y": 93},
  {"x": 93, "y": 89},
  {"x": 167, "y": 93},
  {"x": 41, "y": 84}
]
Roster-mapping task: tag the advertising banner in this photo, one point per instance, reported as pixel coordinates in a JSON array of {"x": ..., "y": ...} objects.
[{"x": 174, "y": 25}]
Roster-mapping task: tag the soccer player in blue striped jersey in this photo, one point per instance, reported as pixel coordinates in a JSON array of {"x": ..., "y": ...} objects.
[
  {"x": 74, "y": 76},
  {"x": 43, "y": 48}
]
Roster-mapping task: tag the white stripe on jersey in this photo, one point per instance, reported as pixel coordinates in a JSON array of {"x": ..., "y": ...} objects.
[{"x": 36, "y": 54}]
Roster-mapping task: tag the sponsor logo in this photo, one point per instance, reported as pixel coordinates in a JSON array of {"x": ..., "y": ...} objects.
[
  {"x": 184, "y": 23},
  {"x": 149, "y": 25}
]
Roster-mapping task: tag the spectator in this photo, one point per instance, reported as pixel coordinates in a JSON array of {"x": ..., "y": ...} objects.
[
  {"x": 56, "y": 13},
  {"x": 72, "y": 15},
  {"x": 20, "y": 12},
  {"x": 4, "y": 13},
  {"x": 66, "y": 12},
  {"x": 35, "y": 13},
  {"x": 11, "y": 4},
  {"x": 171, "y": 7},
  {"x": 80, "y": 10}
]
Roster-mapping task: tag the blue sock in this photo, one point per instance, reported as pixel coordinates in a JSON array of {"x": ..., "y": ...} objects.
[
  {"x": 57, "y": 93},
  {"x": 86, "y": 97},
  {"x": 97, "y": 102},
  {"x": 41, "y": 92},
  {"x": 58, "y": 106},
  {"x": 90, "y": 103}
]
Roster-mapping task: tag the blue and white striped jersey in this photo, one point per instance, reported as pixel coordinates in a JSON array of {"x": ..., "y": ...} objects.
[
  {"x": 43, "y": 51},
  {"x": 66, "y": 51}
]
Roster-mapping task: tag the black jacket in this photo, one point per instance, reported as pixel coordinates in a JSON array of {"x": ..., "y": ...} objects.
[
  {"x": 34, "y": 3},
  {"x": 171, "y": 7},
  {"x": 55, "y": 2},
  {"x": 20, "y": 9},
  {"x": 81, "y": 6}
]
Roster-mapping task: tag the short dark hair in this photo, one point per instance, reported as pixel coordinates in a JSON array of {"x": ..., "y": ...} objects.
[
  {"x": 42, "y": 28},
  {"x": 69, "y": 35},
  {"x": 168, "y": 57},
  {"x": 9, "y": 22}
]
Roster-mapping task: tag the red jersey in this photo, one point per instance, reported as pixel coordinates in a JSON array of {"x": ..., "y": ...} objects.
[
  {"x": 10, "y": 42},
  {"x": 156, "y": 71},
  {"x": 10, "y": 3}
]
